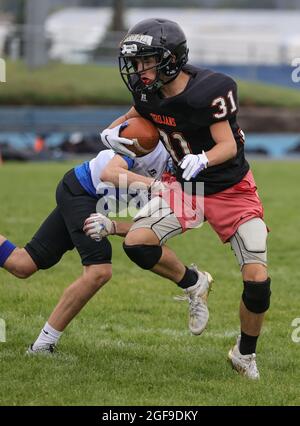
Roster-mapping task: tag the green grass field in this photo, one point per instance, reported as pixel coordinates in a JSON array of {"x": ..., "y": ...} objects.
[
  {"x": 61, "y": 84},
  {"x": 131, "y": 345}
]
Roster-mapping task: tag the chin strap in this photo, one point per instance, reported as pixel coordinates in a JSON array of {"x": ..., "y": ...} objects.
[{"x": 157, "y": 85}]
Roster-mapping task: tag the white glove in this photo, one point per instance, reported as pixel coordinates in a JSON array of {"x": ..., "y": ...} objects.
[
  {"x": 111, "y": 139},
  {"x": 193, "y": 165},
  {"x": 98, "y": 226}
]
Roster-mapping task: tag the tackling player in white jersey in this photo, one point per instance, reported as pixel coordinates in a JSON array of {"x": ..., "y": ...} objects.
[{"x": 62, "y": 230}]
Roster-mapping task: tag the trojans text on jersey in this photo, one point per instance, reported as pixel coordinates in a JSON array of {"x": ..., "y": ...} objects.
[{"x": 163, "y": 119}]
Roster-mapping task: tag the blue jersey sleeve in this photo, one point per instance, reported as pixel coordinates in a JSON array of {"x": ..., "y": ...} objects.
[{"x": 129, "y": 161}]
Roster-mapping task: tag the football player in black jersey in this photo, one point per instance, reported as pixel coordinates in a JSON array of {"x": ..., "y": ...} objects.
[{"x": 195, "y": 111}]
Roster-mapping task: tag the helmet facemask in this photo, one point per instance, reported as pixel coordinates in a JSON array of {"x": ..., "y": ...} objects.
[{"x": 166, "y": 68}]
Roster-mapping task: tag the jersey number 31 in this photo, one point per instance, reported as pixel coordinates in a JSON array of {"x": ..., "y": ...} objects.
[{"x": 222, "y": 105}]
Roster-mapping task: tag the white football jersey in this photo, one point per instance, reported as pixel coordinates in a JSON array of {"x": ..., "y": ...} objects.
[
  {"x": 98, "y": 163},
  {"x": 150, "y": 165}
]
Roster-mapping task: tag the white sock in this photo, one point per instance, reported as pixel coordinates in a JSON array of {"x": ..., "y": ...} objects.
[{"x": 47, "y": 336}]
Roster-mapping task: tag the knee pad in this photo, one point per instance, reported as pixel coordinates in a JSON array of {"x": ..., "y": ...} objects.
[
  {"x": 145, "y": 256},
  {"x": 160, "y": 218},
  {"x": 256, "y": 296},
  {"x": 250, "y": 242}
]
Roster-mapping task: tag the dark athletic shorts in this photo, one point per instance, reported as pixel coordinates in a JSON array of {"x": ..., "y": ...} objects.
[{"x": 62, "y": 230}]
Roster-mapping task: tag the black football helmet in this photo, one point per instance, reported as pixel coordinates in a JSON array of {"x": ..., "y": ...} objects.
[{"x": 161, "y": 38}]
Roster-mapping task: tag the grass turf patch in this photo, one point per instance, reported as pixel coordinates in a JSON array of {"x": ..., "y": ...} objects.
[
  {"x": 63, "y": 84},
  {"x": 131, "y": 345}
]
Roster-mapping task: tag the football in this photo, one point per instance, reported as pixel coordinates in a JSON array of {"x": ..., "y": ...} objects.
[{"x": 144, "y": 134}]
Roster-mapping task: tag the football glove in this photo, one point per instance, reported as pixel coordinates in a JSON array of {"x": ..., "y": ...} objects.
[
  {"x": 111, "y": 139},
  {"x": 98, "y": 226},
  {"x": 193, "y": 164}
]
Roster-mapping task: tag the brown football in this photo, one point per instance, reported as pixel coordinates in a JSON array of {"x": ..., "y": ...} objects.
[{"x": 144, "y": 134}]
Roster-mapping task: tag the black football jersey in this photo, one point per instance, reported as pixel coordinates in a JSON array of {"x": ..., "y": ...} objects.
[{"x": 184, "y": 124}]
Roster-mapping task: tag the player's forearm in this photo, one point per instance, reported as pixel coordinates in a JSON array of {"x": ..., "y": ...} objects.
[
  {"x": 122, "y": 228},
  {"x": 130, "y": 114},
  {"x": 221, "y": 152},
  {"x": 122, "y": 178},
  {"x": 118, "y": 121}
]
